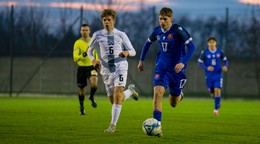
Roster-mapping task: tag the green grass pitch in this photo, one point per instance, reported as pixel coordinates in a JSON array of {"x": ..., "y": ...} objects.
[{"x": 57, "y": 120}]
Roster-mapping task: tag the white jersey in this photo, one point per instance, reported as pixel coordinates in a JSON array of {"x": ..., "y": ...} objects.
[{"x": 108, "y": 46}]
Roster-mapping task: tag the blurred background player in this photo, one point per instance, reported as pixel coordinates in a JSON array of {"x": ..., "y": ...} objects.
[
  {"x": 113, "y": 47},
  {"x": 211, "y": 61},
  {"x": 86, "y": 69},
  {"x": 171, "y": 60}
]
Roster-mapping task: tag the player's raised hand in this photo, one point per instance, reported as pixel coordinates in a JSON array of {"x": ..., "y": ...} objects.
[
  {"x": 124, "y": 54},
  {"x": 178, "y": 67},
  {"x": 140, "y": 66},
  {"x": 224, "y": 69},
  {"x": 210, "y": 68}
]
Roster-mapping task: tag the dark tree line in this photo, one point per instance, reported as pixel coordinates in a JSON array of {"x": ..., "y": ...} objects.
[
  {"x": 32, "y": 34},
  {"x": 35, "y": 34}
]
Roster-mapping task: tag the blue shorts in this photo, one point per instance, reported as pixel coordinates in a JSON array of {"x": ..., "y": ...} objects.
[
  {"x": 211, "y": 84},
  {"x": 175, "y": 81}
]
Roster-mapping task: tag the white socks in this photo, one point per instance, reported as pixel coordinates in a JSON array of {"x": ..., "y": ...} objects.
[
  {"x": 127, "y": 93},
  {"x": 116, "y": 109}
]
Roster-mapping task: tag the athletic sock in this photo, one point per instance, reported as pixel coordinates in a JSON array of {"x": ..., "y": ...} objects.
[
  {"x": 92, "y": 92},
  {"x": 127, "y": 93},
  {"x": 81, "y": 100},
  {"x": 157, "y": 115},
  {"x": 217, "y": 102},
  {"x": 116, "y": 109}
]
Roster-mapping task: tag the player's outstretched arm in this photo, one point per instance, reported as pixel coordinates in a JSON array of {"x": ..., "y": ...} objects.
[
  {"x": 145, "y": 49},
  {"x": 92, "y": 46},
  {"x": 130, "y": 51},
  {"x": 189, "y": 53},
  {"x": 140, "y": 66}
]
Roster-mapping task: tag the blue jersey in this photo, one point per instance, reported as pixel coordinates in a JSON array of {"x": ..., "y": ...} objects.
[
  {"x": 172, "y": 51},
  {"x": 214, "y": 59},
  {"x": 172, "y": 45}
]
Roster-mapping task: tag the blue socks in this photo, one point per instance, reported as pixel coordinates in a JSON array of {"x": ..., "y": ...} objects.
[
  {"x": 157, "y": 115},
  {"x": 217, "y": 102}
]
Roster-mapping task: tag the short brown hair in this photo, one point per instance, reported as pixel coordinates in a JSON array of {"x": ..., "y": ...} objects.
[
  {"x": 84, "y": 25},
  {"x": 108, "y": 12},
  {"x": 166, "y": 12},
  {"x": 212, "y": 38}
]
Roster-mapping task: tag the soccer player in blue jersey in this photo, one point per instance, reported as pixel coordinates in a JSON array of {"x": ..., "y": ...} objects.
[
  {"x": 171, "y": 60},
  {"x": 211, "y": 61}
]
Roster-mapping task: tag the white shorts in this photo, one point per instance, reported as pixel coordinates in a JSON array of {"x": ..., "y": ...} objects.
[{"x": 111, "y": 80}]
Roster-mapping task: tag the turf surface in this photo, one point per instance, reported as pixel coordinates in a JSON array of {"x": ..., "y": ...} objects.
[{"x": 57, "y": 120}]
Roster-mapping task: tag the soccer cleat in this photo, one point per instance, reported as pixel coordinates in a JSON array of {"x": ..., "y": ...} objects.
[
  {"x": 111, "y": 129},
  {"x": 81, "y": 110},
  {"x": 93, "y": 103},
  {"x": 215, "y": 112},
  {"x": 134, "y": 95}
]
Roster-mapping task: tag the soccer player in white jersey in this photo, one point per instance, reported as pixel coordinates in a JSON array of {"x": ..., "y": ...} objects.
[{"x": 113, "y": 46}]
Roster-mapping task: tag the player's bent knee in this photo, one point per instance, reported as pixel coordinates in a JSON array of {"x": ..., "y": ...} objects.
[{"x": 118, "y": 97}]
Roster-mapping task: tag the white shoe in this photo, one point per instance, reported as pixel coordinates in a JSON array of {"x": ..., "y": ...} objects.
[
  {"x": 134, "y": 95},
  {"x": 111, "y": 129}
]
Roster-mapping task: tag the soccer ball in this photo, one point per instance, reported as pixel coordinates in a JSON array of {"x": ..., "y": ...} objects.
[{"x": 151, "y": 127}]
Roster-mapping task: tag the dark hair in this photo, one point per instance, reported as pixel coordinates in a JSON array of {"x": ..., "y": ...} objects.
[
  {"x": 84, "y": 25},
  {"x": 166, "y": 12},
  {"x": 211, "y": 38},
  {"x": 108, "y": 12}
]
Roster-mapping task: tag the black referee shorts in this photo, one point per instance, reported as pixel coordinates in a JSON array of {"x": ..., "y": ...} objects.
[{"x": 83, "y": 73}]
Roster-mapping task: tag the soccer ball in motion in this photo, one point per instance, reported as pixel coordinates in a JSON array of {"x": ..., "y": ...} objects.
[{"x": 151, "y": 127}]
